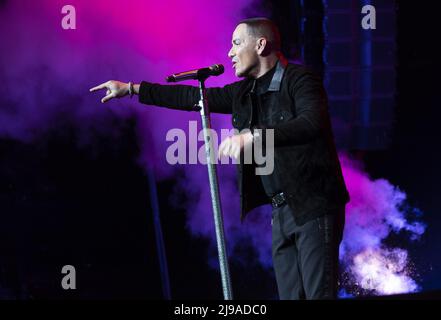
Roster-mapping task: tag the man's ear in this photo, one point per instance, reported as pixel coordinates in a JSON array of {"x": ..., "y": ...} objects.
[{"x": 261, "y": 45}]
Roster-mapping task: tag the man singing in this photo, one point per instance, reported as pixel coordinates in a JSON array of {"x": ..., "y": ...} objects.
[{"x": 306, "y": 188}]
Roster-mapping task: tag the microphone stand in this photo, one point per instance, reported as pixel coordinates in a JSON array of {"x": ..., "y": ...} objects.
[{"x": 214, "y": 189}]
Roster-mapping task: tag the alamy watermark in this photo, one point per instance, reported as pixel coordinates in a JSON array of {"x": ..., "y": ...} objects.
[
  {"x": 370, "y": 19},
  {"x": 69, "y": 281},
  {"x": 186, "y": 151},
  {"x": 69, "y": 21}
]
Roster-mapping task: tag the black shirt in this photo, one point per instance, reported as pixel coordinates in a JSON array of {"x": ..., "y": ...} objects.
[{"x": 260, "y": 112}]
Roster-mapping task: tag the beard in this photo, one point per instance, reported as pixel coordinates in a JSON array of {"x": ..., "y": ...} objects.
[{"x": 247, "y": 72}]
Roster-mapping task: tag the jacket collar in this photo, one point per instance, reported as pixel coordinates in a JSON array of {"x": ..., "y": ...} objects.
[
  {"x": 278, "y": 75},
  {"x": 275, "y": 81}
]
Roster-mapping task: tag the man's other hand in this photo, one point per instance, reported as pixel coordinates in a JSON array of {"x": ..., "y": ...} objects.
[{"x": 233, "y": 146}]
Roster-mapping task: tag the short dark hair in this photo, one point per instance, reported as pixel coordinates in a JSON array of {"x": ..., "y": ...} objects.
[{"x": 264, "y": 27}]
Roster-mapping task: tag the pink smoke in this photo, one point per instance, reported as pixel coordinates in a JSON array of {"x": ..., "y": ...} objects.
[
  {"x": 377, "y": 209},
  {"x": 45, "y": 67}
]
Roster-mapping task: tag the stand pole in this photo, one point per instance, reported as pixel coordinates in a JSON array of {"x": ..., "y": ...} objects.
[{"x": 214, "y": 189}]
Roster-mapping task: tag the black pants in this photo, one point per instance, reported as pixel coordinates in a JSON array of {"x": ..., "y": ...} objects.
[{"x": 305, "y": 257}]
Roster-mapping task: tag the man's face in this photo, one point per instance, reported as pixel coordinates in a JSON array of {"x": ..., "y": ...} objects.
[{"x": 243, "y": 52}]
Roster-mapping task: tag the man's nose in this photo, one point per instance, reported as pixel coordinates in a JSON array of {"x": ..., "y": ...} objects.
[{"x": 231, "y": 53}]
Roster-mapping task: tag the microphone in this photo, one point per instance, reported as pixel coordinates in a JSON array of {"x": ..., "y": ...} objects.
[{"x": 197, "y": 74}]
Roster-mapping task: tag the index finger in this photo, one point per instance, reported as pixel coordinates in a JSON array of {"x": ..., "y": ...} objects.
[{"x": 101, "y": 86}]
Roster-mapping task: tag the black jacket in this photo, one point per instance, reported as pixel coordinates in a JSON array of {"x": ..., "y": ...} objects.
[{"x": 305, "y": 153}]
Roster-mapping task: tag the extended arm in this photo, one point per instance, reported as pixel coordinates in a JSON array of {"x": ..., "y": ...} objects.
[{"x": 180, "y": 97}]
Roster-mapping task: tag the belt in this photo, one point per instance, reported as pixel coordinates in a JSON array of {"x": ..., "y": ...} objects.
[{"x": 278, "y": 200}]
